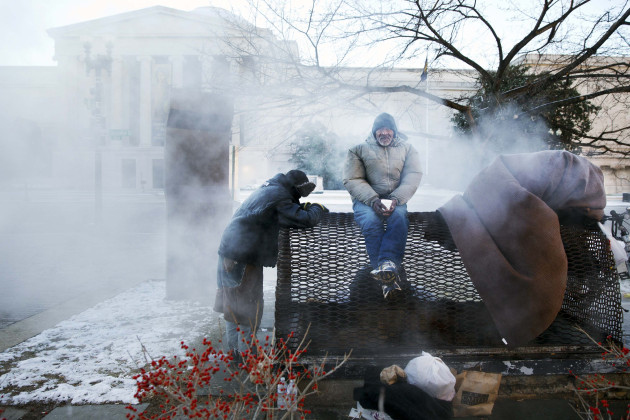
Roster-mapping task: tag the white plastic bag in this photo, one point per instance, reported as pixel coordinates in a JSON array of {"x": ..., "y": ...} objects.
[
  {"x": 618, "y": 247},
  {"x": 431, "y": 375}
]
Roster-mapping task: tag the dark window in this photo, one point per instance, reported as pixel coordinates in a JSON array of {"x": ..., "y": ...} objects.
[
  {"x": 160, "y": 98},
  {"x": 134, "y": 102},
  {"x": 158, "y": 174},
  {"x": 192, "y": 72},
  {"x": 128, "y": 173},
  {"x": 220, "y": 72}
]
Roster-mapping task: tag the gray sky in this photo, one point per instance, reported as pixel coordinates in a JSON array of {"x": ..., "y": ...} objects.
[
  {"x": 23, "y": 23},
  {"x": 25, "y": 42}
]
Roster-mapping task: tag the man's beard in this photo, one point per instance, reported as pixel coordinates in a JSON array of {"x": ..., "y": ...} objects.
[{"x": 384, "y": 139}]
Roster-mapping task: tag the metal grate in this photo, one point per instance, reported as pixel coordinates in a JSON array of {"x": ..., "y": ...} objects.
[{"x": 324, "y": 285}]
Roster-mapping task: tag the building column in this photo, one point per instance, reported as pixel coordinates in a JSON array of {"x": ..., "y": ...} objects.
[
  {"x": 145, "y": 100},
  {"x": 177, "y": 71},
  {"x": 116, "y": 98},
  {"x": 69, "y": 75}
]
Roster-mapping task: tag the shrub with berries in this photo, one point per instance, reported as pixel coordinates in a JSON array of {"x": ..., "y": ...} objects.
[
  {"x": 251, "y": 380},
  {"x": 593, "y": 390}
]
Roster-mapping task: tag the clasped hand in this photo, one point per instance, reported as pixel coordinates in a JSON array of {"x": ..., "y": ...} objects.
[{"x": 381, "y": 209}]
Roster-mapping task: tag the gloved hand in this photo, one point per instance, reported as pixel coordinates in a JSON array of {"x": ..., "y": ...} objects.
[
  {"x": 322, "y": 206},
  {"x": 392, "y": 207},
  {"x": 307, "y": 205},
  {"x": 392, "y": 374}
]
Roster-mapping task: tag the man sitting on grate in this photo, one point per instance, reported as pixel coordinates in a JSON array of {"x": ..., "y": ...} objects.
[
  {"x": 249, "y": 242},
  {"x": 383, "y": 169}
]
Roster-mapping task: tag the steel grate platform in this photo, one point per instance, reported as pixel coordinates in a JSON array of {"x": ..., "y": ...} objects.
[{"x": 324, "y": 285}]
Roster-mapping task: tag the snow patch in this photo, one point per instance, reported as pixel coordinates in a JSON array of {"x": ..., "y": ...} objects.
[
  {"x": 92, "y": 357},
  {"x": 511, "y": 368},
  {"x": 526, "y": 371}
]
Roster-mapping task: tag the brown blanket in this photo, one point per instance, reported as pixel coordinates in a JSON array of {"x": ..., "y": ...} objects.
[{"x": 507, "y": 231}]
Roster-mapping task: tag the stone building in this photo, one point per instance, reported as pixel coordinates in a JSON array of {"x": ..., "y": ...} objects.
[
  {"x": 99, "y": 116},
  {"x": 612, "y": 114},
  {"x": 102, "y": 110}
]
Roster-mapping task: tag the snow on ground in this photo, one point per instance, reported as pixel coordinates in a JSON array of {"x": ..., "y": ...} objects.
[{"x": 91, "y": 357}]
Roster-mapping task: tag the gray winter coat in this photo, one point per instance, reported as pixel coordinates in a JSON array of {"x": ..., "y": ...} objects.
[{"x": 372, "y": 171}]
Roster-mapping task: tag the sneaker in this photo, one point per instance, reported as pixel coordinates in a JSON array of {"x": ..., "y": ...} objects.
[
  {"x": 385, "y": 268},
  {"x": 387, "y": 276}
]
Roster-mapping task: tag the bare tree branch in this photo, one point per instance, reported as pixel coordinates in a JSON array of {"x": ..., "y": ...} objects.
[{"x": 550, "y": 44}]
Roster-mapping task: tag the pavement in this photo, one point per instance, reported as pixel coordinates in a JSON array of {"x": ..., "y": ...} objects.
[
  {"x": 336, "y": 403},
  {"x": 553, "y": 409}
]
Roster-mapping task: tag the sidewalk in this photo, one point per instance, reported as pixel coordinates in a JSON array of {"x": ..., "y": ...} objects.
[{"x": 556, "y": 409}]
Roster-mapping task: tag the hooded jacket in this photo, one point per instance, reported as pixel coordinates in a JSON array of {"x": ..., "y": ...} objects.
[
  {"x": 252, "y": 234},
  {"x": 372, "y": 171}
]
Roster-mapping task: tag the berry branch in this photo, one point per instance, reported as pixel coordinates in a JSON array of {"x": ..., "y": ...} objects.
[{"x": 251, "y": 380}]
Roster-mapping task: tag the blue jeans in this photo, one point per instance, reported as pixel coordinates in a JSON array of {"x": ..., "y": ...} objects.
[
  {"x": 237, "y": 340},
  {"x": 240, "y": 340},
  {"x": 381, "y": 242}
]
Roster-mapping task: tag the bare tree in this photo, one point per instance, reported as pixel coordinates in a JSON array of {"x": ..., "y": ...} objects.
[
  {"x": 560, "y": 40},
  {"x": 557, "y": 38}
]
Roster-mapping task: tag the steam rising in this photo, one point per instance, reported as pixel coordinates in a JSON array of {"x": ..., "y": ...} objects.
[
  {"x": 456, "y": 160},
  {"x": 57, "y": 243}
]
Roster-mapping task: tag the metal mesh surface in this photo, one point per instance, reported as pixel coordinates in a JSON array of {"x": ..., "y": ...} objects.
[{"x": 324, "y": 286}]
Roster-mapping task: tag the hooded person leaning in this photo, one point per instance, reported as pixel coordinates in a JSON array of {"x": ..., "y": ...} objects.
[
  {"x": 384, "y": 167},
  {"x": 250, "y": 242}
]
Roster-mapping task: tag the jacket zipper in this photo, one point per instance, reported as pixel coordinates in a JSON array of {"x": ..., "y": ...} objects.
[{"x": 389, "y": 179}]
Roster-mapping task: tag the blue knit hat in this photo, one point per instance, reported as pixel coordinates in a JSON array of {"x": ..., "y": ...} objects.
[{"x": 385, "y": 120}]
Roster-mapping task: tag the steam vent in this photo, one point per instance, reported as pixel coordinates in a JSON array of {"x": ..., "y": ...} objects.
[{"x": 324, "y": 286}]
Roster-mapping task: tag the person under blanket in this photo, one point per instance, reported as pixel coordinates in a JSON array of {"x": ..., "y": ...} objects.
[{"x": 507, "y": 230}]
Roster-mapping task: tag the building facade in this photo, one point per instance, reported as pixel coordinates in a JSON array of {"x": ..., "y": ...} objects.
[
  {"x": 99, "y": 116},
  {"x": 611, "y": 114}
]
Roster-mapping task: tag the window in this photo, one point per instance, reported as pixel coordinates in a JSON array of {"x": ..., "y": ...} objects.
[
  {"x": 158, "y": 174},
  {"x": 192, "y": 72},
  {"x": 128, "y": 173}
]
